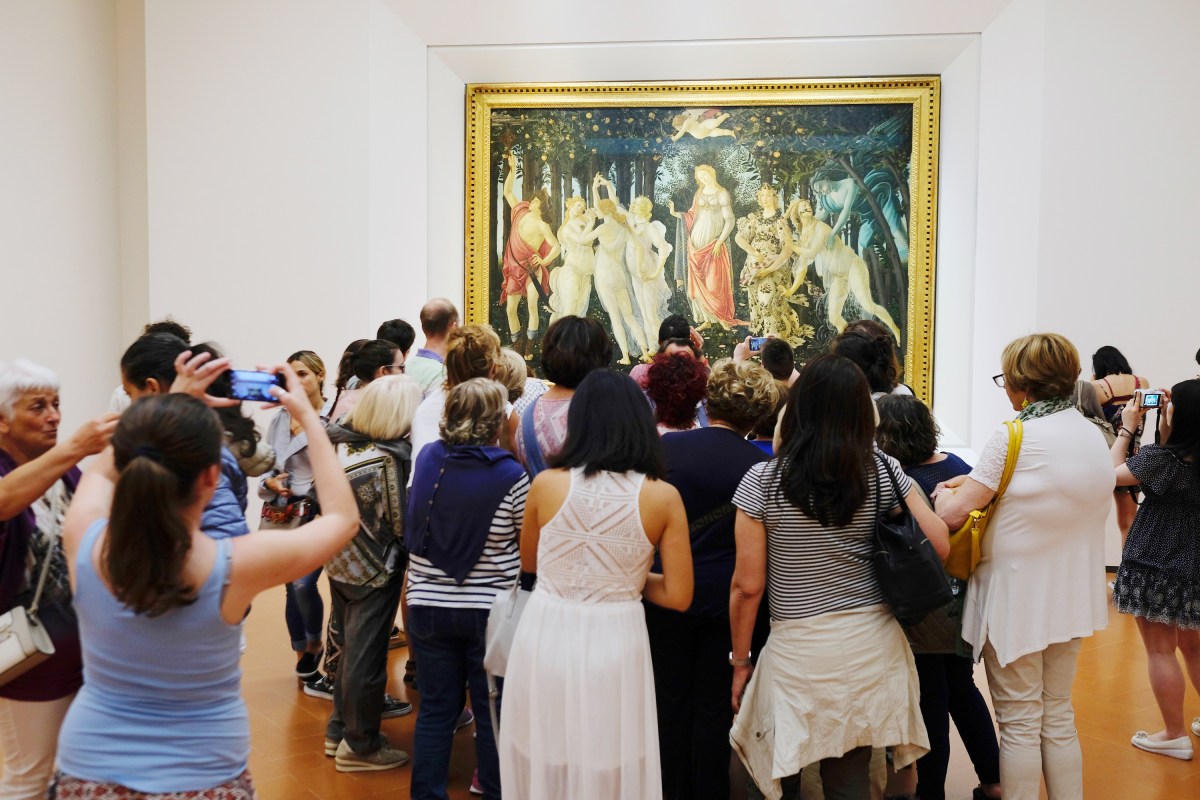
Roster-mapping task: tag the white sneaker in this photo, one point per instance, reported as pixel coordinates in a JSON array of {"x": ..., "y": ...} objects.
[{"x": 1180, "y": 748}]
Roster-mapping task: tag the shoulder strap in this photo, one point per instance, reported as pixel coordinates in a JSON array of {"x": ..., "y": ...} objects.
[
  {"x": 1016, "y": 431},
  {"x": 536, "y": 462},
  {"x": 1108, "y": 386},
  {"x": 37, "y": 595}
]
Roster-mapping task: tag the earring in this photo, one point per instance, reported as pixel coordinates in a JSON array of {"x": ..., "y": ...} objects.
[{"x": 1025, "y": 403}]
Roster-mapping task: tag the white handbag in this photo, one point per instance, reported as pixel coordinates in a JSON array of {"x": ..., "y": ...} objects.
[
  {"x": 502, "y": 624},
  {"x": 24, "y": 642}
]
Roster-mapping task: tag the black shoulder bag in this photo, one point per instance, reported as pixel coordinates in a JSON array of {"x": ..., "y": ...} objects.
[{"x": 909, "y": 571}]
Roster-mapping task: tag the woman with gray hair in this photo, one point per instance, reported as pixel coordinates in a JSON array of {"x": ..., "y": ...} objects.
[
  {"x": 38, "y": 476},
  {"x": 464, "y": 514}
]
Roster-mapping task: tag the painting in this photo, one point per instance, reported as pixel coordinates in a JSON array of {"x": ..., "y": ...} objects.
[{"x": 785, "y": 209}]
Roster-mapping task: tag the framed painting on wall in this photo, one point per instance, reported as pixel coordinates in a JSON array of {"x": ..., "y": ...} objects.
[{"x": 770, "y": 208}]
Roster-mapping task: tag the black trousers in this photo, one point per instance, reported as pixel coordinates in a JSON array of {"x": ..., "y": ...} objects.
[
  {"x": 692, "y": 685},
  {"x": 948, "y": 691}
]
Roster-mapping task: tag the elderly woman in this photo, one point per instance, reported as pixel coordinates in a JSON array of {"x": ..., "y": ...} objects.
[
  {"x": 836, "y": 677},
  {"x": 366, "y": 577},
  {"x": 38, "y": 476},
  {"x": 465, "y": 510},
  {"x": 690, "y": 648},
  {"x": 1039, "y": 587}
]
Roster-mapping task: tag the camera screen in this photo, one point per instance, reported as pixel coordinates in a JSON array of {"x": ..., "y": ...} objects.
[
  {"x": 1151, "y": 400},
  {"x": 251, "y": 385},
  {"x": 757, "y": 342}
]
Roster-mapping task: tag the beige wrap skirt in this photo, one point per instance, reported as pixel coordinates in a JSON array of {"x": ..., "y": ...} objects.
[{"x": 825, "y": 685}]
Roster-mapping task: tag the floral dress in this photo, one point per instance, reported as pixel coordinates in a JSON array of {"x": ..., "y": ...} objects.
[{"x": 770, "y": 310}]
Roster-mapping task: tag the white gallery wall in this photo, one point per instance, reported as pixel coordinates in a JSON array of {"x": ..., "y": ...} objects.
[{"x": 287, "y": 173}]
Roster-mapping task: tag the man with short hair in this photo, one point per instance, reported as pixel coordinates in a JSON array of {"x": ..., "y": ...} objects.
[
  {"x": 438, "y": 318},
  {"x": 780, "y": 360},
  {"x": 399, "y": 333}
]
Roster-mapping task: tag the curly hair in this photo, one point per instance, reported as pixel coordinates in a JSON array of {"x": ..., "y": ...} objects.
[
  {"x": 874, "y": 354},
  {"x": 471, "y": 352},
  {"x": 474, "y": 412},
  {"x": 907, "y": 430},
  {"x": 676, "y": 383},
  {"x": 741, "y": 394}
]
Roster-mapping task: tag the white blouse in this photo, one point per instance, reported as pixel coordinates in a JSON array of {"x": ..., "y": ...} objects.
[{"x": 1041, "y": 577}]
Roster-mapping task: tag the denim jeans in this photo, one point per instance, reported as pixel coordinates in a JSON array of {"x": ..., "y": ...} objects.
[
  {"x": 449, "y": 643},
  {"x": 366, "y": 615},
  {"x": 304, "y": 611}
]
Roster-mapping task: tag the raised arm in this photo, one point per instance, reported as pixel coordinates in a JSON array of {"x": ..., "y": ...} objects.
[
  {"x": 511, "y": 176},
  {"x": 25, "y": 484},
  {"x": 268, "y": 558}
]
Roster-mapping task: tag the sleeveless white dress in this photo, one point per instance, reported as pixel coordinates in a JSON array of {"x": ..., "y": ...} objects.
[{"x": 578, "y": 714}]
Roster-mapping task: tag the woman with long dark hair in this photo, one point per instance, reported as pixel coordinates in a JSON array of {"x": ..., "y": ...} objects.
[
  {"x": 160, "y": 602},
  {"x": 805, "y": 529},
  {"x": 1159, "y": 579},
  {"x": 592, "y": 525},
  {"x": 1115, "y": 386},
  {"x": 364, "y": 361}
]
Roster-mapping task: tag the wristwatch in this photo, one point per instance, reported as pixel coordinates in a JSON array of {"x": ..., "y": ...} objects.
[{"x": 739, "y": 662}]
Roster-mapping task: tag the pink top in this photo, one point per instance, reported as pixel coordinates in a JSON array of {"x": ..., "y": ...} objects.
[{"x": 549, "y": 426}]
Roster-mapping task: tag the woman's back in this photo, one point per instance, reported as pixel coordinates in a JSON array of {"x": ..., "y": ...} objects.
[
  {"x": 594, "y": 549},
  {"x": 161, "y": 707}
]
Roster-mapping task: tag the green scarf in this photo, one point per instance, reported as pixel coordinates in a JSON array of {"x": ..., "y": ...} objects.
[{"x": 1044, "y": 408}]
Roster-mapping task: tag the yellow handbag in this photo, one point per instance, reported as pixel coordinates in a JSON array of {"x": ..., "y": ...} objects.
[{"x": 964, "y": 542}]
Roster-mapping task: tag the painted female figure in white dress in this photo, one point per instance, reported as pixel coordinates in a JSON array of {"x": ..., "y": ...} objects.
[
  {"x": 571, "y": 283},
  {"x": 611, "y": 275},
  {"x": 647, "y": 254}
]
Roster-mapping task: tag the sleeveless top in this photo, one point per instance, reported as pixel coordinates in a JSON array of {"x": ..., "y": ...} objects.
[
  {"x": 595, "y": 550},
  {"x": 161, "y": 708}
]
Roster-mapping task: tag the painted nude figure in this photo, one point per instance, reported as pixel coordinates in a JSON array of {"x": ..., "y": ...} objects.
[
  {"x": 529, "y": 248},
  {"x": 611, "y": 276},
  {"x": 700, "y": 123},
  {"x": 646, "y": 255},
  {"x": 571, "y": 283},
  {"x": 841, "y": 270}
]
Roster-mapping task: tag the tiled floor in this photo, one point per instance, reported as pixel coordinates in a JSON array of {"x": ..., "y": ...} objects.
[{"x": 1112, "y": 700}]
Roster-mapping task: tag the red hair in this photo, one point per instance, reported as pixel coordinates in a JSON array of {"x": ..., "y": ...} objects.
[{"x": 676, "y": 383}]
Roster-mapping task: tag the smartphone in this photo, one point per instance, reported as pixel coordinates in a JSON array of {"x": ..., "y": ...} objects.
[
  {"x": 757, "y": 342},
  {"x": 1148, "y": 399},
  {"x": 248, "y": 384}
]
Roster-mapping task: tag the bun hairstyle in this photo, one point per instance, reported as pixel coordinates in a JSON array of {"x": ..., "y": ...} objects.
[
  {"x": 160, "y": 447},
  {"x": 152, "y": 356},
  {"x": 875, "y": 355}
]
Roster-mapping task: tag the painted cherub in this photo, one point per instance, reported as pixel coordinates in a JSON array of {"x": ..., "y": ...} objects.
[{"x": 701, "y": 123}]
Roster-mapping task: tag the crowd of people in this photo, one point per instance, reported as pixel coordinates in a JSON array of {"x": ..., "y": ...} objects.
[{"x": 698, "y": 541}]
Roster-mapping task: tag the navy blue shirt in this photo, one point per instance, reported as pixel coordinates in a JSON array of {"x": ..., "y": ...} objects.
[
  {"x": 928, "y": 476},
  {"x": 706, "y": 465}
]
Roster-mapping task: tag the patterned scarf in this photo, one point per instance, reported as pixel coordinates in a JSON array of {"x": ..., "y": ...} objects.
[{"x": 1044, "y": 408}]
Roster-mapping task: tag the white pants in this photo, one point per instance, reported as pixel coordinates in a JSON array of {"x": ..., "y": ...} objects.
[
  {"x": 28, "y": 741},
  {"x": 1032, "y": 698}
]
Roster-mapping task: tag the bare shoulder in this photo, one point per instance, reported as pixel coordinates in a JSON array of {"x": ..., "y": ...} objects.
[{"x": 660, "y": 495}]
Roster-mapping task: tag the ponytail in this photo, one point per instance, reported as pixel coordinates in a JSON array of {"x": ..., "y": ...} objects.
[
  {"x": 160, "y": 447},
  {"x": 147, "y": 541}
]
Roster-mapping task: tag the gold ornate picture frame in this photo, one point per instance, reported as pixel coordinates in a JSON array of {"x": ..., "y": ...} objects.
[{"x": 629, "y": 202}]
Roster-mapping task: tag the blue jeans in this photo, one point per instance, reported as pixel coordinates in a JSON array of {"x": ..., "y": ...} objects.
[
  {"x": 449, "y": 645},
  {"x": 303, "y": 611}
]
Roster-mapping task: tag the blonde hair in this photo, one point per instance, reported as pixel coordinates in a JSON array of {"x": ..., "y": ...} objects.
[
  {"x": 471, "y": 352},
  {"x": 641, "y": 206},
  {"x": 609, "y": 208},
  {"x": 386, "y": 408},
  {"x": 1043, "y": 364},
  {"x": 474, "y": 412},
  {"x": 712, "y": 173},
  {"x": 511, "y": 373},
  {"x": 574, "y": 200},
  {"x": 741, "y": 394},
  {"x": 314, "y": 363}
]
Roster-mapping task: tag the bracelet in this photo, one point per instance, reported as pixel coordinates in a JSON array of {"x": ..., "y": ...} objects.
[
  {"x": 739, "y": 662},
  {"x": 1123, "y": 429}
]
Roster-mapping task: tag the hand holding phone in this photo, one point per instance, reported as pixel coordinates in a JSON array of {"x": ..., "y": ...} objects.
[
  {"x": 1148, "y": 398},
  {"x": 757, "y": 342}
]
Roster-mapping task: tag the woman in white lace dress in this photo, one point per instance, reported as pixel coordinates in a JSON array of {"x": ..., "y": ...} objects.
[{"x": 578, "y": 715}]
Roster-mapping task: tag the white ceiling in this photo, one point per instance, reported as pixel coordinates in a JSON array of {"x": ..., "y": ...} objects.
[{"x": 449, "y": 23}]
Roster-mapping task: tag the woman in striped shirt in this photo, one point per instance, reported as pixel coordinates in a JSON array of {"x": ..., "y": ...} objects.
[
  {"x": 836, "y": 676},
  {"x": 465, "y": 511}
]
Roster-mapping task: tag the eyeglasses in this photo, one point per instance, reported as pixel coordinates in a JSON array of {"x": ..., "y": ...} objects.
[{"x": 998, "y": 380}]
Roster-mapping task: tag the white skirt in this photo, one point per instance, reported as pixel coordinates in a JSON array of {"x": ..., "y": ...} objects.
[{"x": 578, "y": 715}]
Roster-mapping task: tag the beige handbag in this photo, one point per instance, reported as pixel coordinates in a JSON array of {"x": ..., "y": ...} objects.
[{"x": 24, "y": 642}]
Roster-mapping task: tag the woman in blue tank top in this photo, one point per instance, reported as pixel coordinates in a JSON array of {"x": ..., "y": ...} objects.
[{"x": 159, "y": 602}]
